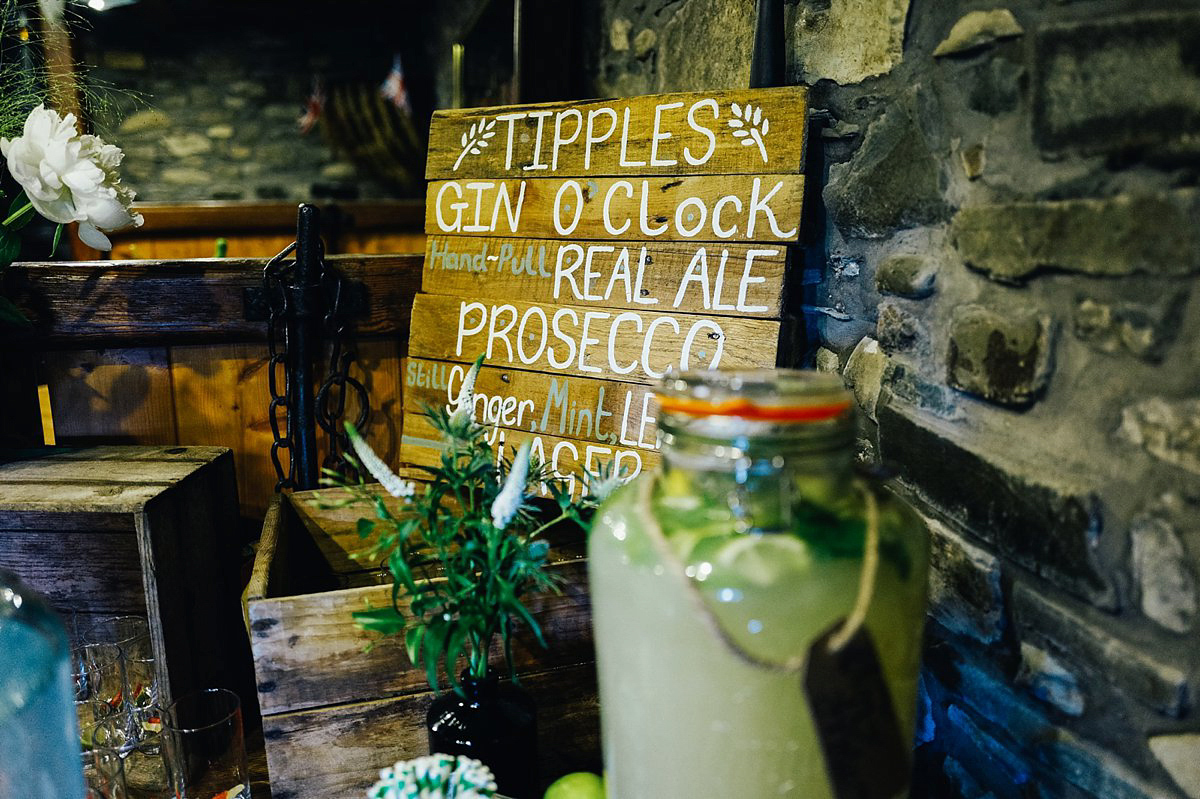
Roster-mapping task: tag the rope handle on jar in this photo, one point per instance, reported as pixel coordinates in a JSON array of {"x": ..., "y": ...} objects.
[{"x": 858, "y": 614}]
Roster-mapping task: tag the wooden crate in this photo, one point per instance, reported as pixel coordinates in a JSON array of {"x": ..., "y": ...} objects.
[
  {"x": 334, "y": 712},
  {"x": 150, "y": 531}
]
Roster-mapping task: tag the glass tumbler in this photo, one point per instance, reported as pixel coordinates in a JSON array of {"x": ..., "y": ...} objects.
[
  {"x": 141, "y": 751},
  {"x": 103, "y": 766},
  {"x": 206, "y": 752},
  {"x": 132, "y": 635},
  {"x": 98, "y": 672}
]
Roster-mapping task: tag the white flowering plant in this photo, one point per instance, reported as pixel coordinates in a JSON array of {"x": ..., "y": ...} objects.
[
  {"x": 64, "y": 175},
  {"x": 467, "y": 545}
]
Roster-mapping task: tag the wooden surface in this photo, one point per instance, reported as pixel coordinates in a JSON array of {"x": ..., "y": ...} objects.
[
  {"x": 334, "y": 712},
  {"x": 144, "y": 301},
  {"x": 614, "y": 208},
  {"x": 623, "y": 345},
  {"x": 536, "y": 126},
  {"x": 641, "y": 276},
  {"x": 336, "y": 752},
  {"x": 161, "y": 353},
  {"x": 261, "y": 229},
  {"x": 585, "y": 260},
  {"x": 135, "y": 530}
]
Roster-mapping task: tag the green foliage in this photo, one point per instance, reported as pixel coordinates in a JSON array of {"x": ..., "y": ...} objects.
[{"x": 460, "y": 581}]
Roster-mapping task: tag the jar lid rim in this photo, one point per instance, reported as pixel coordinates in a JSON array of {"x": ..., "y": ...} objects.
[{"x": 771, "y": 395}]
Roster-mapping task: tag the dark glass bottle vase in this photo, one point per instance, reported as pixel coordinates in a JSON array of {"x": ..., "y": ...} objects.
[{"x": 494, "y": 722}]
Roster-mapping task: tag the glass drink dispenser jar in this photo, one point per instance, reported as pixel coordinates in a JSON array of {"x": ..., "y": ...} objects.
[{"x": 758, "y": 604}]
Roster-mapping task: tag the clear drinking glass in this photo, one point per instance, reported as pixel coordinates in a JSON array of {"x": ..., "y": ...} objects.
[
  {"x": 205, "y": 748},
  {"x": 103, "y": 766},
  {"x": 132, "y": 635},
  {"x": 98, "y": 672},
  {"x": 142, "y": 752}
]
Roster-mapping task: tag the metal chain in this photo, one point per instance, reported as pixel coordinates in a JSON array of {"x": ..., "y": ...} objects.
[
  {"x": 275, "y": 290},
  {"x": 331, "y": 397}
]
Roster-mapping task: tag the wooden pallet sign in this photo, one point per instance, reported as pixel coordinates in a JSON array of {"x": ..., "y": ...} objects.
[{"x": 588, "y": 249}]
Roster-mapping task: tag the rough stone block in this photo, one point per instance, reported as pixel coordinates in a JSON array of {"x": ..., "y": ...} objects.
[
  {"x": 720, "y": 59},
  {"x": 1001, "y": 357},
  {"x": 910, "y": 276},
  {"x": 996, "y": 86},
  {"x": 907, "y": 385},
  {"x": 1180, "y": 756},
  {"x": 1049, "y": 680},
  {"x": 1141, "y": 329},
  {"x": 864, "y": 373},
  {"x": 847, "y": 41},
  {"x": 895, "y": 329},
  {"x": 1165, "y": 580},
  {"x": 181, "y": 145},
  {"x": 1090, "y": 645},
  {"x": 977, "y": 29},
  {"x": 1047, "y": 526},
  {"x": 1156, "y": 234},
  {"x": 1117, "y": 82},
  {"x": 964, "y": 586},
  {"x": 894, "y": 181},
  {"x": 827, "y": 360},
  {"x": 1167, "y": 429}
]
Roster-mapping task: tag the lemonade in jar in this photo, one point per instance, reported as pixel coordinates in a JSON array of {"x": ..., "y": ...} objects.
[{"x": 758, "y": 602}]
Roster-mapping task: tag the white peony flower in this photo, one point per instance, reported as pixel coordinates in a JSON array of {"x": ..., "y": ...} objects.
[
  {"x": 508, "y": 501},
  {"x": 70, "y": 177},
  {"x": 391, "y": 482}
]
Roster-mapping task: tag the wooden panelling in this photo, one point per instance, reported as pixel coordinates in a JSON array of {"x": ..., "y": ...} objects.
[
  {"x": 112, "y": 395},
  {"x": 221, "y": 398},
  {"x": 336, "y": 752},
  {"x": 144, "y": 301}
]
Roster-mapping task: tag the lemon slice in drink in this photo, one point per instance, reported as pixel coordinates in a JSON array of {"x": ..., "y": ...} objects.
[{"x": 760, "y": 559}]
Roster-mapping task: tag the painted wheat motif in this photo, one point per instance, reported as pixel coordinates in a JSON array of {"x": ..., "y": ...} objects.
[
  {"x": 475, "y": 139},
  {"x": 750, "y": 126}
]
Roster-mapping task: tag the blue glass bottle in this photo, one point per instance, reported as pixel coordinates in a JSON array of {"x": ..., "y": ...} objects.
[{"x": 39, "y": 733}]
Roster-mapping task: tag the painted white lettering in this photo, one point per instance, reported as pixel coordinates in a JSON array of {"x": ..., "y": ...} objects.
[
  {"x": 702, "y": 130},
  {"x": 661, "y": 135}
]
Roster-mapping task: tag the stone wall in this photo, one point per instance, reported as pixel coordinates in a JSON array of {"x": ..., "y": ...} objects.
[
  {"x": 206, "y": 104},
  {"x": 1011, "y": 253}
]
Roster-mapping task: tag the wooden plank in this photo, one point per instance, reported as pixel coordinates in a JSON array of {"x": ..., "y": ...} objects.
[
  {"x": 663, "y": 276},
  {"x": 569, "y": 458},
  {"x": 628, "y": 345},
  {"x": 126, "y": 453},
  {"x": 617, "y": 136},
  {"x": 734, "y": 208},
  {"x": 336, "y": 753},
  {"x": 141, "y": 301},
  {"x": 111, "y": 395},
  {"x": 189, "y": 549},
  {"x": 221, "y": 217},
  {"x": 80, "y": 522},
  {"x": 221, "y": 398},
  {"x": 51, "y": 471},
  {"x": 99, "y": 572},
  {"x": 334, "y": 665},
  {"x": 600, "y": 411},
  {"x": 73, "y": 497},
  {"x": 335, "y": 530}
]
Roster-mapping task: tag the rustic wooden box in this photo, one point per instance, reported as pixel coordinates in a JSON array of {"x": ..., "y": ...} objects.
[
  {"x": 334, "y": 712},
  {"x": 150, "y": 531}
]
